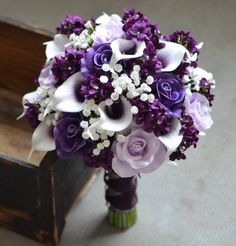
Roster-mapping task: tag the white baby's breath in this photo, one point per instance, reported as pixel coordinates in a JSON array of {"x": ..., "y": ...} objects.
[
  {"x": 103, "y": 79},
  {"x": 134, "y": 110}
]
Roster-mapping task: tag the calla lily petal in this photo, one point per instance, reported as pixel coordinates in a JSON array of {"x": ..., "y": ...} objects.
[
  {"x": 42, "y": 138},
  {"x": 56, "y": 47},
  {"x": 115, "y": 125},
  {"x": 171, "y": 55},
  {"x": 121, "y": 46},
  {"x": 65, "y": 98},
  {"x": 109, "y": 124},
  {"x": 173, "y": 139}
]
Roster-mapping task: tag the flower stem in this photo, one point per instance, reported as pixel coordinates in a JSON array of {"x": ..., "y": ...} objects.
[{"x": 122, "y": 219}]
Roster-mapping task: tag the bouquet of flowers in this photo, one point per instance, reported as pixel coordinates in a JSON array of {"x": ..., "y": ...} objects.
[{"x": 117, "y": 93}]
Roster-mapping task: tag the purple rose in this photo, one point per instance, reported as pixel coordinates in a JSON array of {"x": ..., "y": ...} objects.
[
  {"x": 142, "y": 152},
  {"x": 170, "y": 91},
  {"x": 199, "y": 109},
  {"x": 95, "y": 57},
  {"x": 68, "y": 136},
  {"x": 107, "y": 32}
]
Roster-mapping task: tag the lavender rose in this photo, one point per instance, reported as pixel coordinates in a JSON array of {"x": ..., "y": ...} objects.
[
  {"x": 170, "y": 91},
  {"x": 107, "y": 32},
  {"x": 199, "y": 109},
  {"x": 68, "y": 137},
  {"x": 95, "y": 57},
  {"x": 46, "y": 77},
  {"x": 142, "y": 152}
]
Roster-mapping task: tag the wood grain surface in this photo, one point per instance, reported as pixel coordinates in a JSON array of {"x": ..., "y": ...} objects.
[
  {"x": 22, "y": 55},
  {"x": 35, "y": 194}
]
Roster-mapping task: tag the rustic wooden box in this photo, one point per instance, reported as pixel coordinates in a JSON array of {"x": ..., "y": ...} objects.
[{"x": 35, "y": 195}]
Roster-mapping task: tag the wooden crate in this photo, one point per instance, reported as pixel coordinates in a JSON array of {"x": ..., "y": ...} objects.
[{"x": 35, "y": 195}]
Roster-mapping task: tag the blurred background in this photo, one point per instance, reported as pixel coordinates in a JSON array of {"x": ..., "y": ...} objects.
[{"x": 193, "y": 204}]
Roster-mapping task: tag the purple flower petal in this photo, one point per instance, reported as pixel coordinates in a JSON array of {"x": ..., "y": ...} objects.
[
  {"x": 122, "y": 169},
  {"x": 142, "y": 152}
]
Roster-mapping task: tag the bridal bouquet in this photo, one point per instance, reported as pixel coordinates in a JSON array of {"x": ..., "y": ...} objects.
[{"x": 117, "y": 93}]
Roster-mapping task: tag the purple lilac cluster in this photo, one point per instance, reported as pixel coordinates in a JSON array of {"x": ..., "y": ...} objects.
[
  {"x": 152, "y": 65},
  {"x": 190, "y": 137},
  {"x": 205, "y": 89},
  {"x": 71, "y": 24},
  {"x": 137, "y": 27},
  {"x": 65, "y": 66},
  {"x": 119, "y": 94},
  {"x": 185, "y": 39},
  {"x": 31, "y": 114},
  {"x": 104, "y": 160},
  {"x": 93, "y": 89},
  {"x": 153, "y": 116},
  {"x": 190, "y": 43}
]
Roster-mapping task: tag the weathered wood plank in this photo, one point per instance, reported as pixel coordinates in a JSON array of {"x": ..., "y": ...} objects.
[
  {"x": 22, "y": 55},
  {"x": 34, "y": 200},
  {"x": 10, "y": 108}
]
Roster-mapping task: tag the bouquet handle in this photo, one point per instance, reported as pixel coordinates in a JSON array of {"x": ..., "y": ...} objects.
[{"x": 121, "y": 199}]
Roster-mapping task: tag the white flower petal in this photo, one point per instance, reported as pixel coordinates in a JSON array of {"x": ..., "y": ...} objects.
[
  {"x": 200, "y": 45},
  {"x": 173, "y": 139},
  {"x": 105, "y": 18},
  {"x": 42, "y": 139},
  {"x": 120, "y": 46},
  {"x": 171, "y": 55},
  {"x": 201, "y": 73},
  {"x": 56, "y": 47},
  {"x": 31, "y": 97},
  {"x": 192, "y": 58},
  {"x": 65, "y": 99},
  {"x": 115, "y": 125},
  {"x": 202, "y": 134}
]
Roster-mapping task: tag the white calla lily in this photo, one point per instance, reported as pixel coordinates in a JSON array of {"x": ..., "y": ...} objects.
[
  {"x": 42, "y": 138},
  {"x": 113, "y": 124},
  {"x": 65, "y": 98},
  {"x": 121, "y": 47},
  {"x": 171, "y": 55},
  {"x": 173, "y": 139},
  {"x": 57, "y": 46}
]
